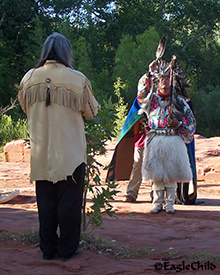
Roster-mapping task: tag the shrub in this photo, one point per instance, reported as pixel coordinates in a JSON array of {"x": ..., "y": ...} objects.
[
  {"x": 121, "y": 107},
  {"x": 98, "y": 132},
  {"x": 10, "y": 129}
]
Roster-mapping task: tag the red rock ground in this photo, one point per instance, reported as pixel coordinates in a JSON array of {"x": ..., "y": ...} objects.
[{"x": 191, "y": 229}]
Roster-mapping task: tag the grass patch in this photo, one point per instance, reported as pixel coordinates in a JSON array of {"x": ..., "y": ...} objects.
[
  {"x": 203, "y": 257},
  {"x": 88, "y": 242},
  {"x": 29, "y": 237},
  {"x": 111, "y": 248}
]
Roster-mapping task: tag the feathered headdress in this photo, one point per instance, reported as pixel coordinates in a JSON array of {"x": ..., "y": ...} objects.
[
  {"x": 161, "y": 47},
  {"x": 171, "y": 69},
  {"x": 165, "y": 68}
]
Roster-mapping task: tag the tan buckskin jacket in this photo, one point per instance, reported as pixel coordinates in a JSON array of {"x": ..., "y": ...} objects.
[{"x": 57, "y": 137}]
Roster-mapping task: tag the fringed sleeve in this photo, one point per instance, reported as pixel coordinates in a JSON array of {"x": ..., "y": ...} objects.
[{"x": 91, "y": 105}]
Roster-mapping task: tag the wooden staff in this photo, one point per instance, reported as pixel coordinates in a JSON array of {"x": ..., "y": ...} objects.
[{"x": 173, "y": 66}]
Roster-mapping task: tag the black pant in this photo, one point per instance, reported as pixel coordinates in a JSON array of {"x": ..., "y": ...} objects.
[{"x": 60, "y": 204}]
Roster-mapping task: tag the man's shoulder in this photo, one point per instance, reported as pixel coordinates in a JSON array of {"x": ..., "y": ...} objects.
[
  {"x": 77, "y": 73},
  {"x": 144, "y": 76},
  {"x": 27, "y": 76}
]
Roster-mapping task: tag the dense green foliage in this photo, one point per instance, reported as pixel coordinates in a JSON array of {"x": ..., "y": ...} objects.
[
  {"x": 132, "y": 59},
  {"x": 114, "y": 40},
  {"x": 207, "y": 110}
]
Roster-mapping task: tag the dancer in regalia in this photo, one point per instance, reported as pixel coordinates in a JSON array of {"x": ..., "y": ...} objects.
[{"x": 172, "y": 126}]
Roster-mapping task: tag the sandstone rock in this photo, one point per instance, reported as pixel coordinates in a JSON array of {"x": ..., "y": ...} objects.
[
  {"x": 207, "y": 155},
  {"x": 17, "y": 151},
  {"x": 212, "y": 176},
  {"x": 216, "y": 167},
  {"x": 207, "y": 158},
  {"x": 200, "y": 172}
]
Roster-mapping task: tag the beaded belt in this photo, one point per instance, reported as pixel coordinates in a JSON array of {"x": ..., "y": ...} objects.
[
  {"x": 165, "y": 132},
  {"x": 160, "y": 132}
]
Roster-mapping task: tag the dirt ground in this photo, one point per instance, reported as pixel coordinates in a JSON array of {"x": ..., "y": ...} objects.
[{"x": 191, "y": 229}]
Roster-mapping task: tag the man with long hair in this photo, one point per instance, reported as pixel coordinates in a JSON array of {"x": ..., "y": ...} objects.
[{"x": 57, "y": 99}]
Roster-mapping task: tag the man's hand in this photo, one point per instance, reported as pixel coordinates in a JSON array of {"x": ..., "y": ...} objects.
[
  {"x": 153, "y": 66},
  {"x": 172, "y": 122},
  {"x": 141, "y": 120}
]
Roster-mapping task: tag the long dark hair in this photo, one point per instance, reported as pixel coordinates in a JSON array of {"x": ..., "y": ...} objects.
[{"x": 56, "y": 47}]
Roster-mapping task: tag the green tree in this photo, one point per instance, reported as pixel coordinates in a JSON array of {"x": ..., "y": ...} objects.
[
  {"x": 15, "y": 16},
  {"x": 33, "y": 45},
  {"x": 206, "y": 105},
  {"x": 191, "y": 29},
  {"x": 82, "y": 57},
  {"x": 132, "y": 59}
]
